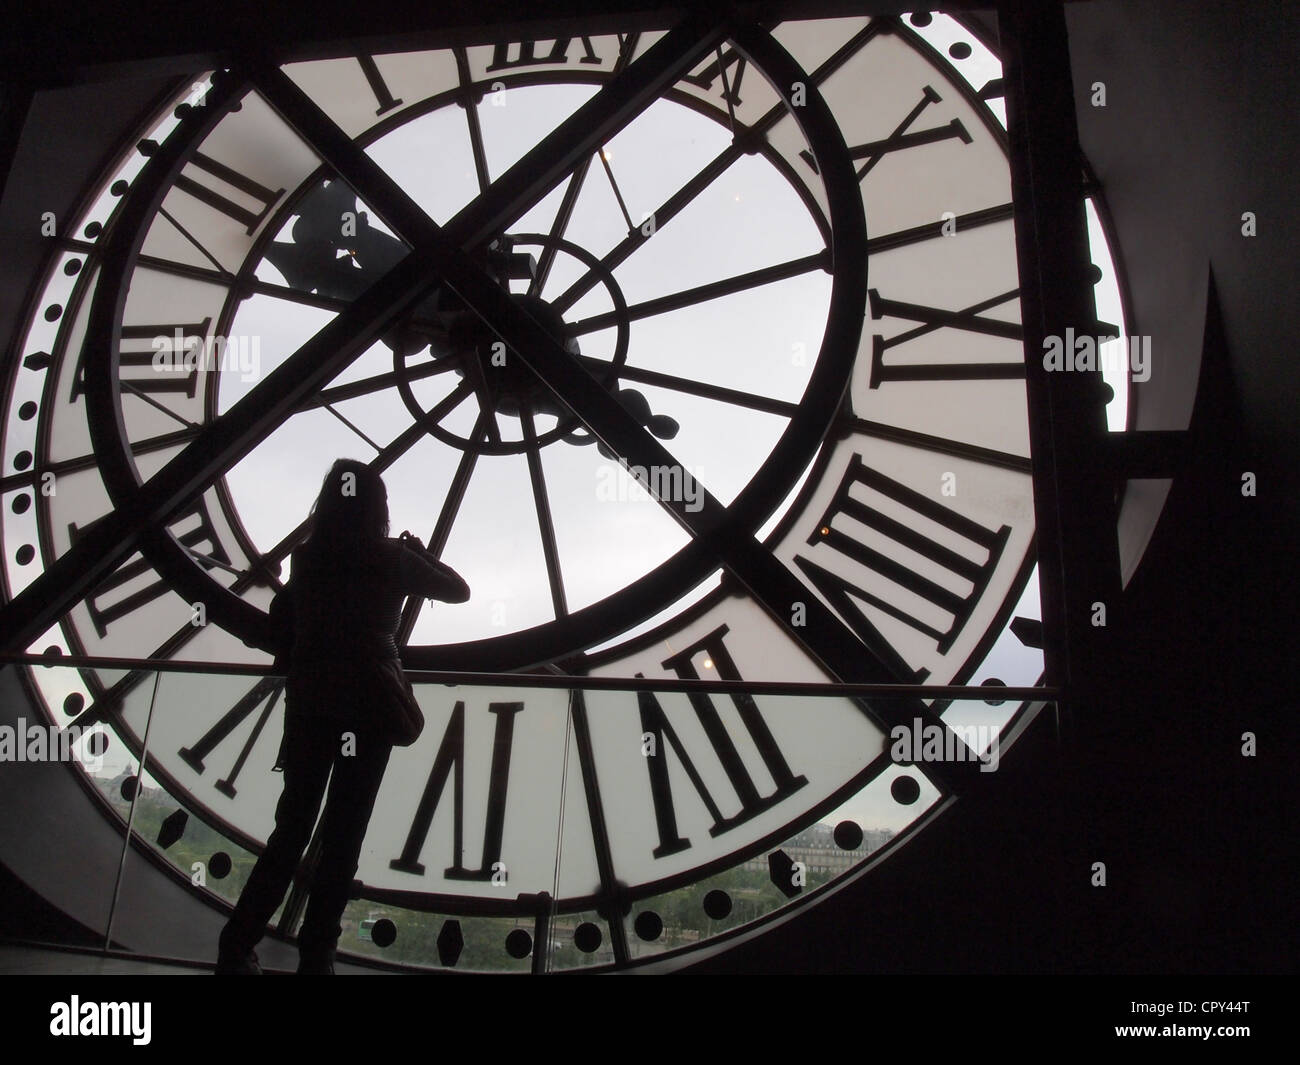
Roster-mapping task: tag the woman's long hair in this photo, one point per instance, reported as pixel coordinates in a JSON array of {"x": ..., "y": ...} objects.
[{"x": 349, "y": 515}]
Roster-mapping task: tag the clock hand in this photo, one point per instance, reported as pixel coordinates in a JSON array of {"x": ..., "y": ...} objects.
[{"x": 542, "y": 504}]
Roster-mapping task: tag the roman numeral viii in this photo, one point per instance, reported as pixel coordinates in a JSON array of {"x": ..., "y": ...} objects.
[
  {"x": 722, "y": 745},
  {"x": 904, "y": 554}
]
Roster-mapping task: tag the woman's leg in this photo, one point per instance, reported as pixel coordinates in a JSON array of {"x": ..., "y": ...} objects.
[
  {"x": 309, "y": 752},
  {"x": 348, "y": 806}
]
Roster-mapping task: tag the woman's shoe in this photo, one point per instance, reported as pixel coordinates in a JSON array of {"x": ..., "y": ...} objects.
[
  {"x": 231, "y": 961},
  {"x": 316, "y": 963}
]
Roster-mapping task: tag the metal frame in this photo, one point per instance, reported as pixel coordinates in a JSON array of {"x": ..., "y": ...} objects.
[{"x": 1079, "y": 554}]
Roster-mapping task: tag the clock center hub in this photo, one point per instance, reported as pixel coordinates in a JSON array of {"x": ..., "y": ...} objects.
[
  {"x": 497, "y": 380},
  {"x": 506, "y": 379}
]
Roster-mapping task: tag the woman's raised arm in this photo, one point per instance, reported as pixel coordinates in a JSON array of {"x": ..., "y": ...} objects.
[{"x": 422, "y": 574}]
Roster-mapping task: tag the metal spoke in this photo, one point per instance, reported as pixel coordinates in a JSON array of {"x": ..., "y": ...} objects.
[
  {"x": 702, "y": 293},
  {"x": 330, "y": 407},
  {"x": 446, "y": 519},
  {"x": 471, "y": 118},
  {"x": 141, "y": 394},
  {"x": 89, "y": 462},
  {"x": 213, "y": 563},
  {"x": 558, "y": 227},
  {"x": 785, "y": 408},
  {"x": 438, "y": 412},
  {"x": 618, "y": 195},
  {"x": 197, "y": 244},
  {"x": 474, "y": 371},
  {"x": 381, "y": 382},
  {"x": 734, "y": 396},
  {"x": 542, "y": 502}
]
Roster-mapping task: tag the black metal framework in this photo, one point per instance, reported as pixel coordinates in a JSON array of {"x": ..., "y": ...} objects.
[
  {"x": 1079, "y": 554},
  {"x": 147, "y": 507},
  {"x": 775, "y": 585},
  {"x": 186, "y": 567}
]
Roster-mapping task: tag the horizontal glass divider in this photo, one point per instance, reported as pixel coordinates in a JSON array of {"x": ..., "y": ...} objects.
[{"x": 983, "y": 693}]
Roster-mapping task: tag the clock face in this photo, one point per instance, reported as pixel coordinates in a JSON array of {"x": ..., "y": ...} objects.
[{"x": 775, "y": 285}]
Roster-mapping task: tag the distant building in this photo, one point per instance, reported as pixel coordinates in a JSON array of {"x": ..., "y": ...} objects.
[{"x": 817, "y": 849}]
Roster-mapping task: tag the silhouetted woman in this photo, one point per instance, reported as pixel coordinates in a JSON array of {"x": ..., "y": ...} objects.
[{"x": 346, "y": 589}]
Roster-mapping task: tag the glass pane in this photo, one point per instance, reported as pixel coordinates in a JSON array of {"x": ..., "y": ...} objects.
[{"x": 715, "y": 809}]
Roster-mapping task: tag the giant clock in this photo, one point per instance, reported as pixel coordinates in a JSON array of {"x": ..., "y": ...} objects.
[{"x": 766, "y": 274}]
